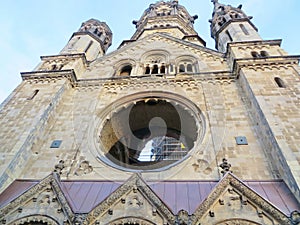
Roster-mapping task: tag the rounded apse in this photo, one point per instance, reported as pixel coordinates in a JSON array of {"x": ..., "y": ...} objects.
[{"x": 149, "y": 132}]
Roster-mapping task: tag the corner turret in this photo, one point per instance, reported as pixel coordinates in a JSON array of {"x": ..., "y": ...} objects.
[
  {"x": 93, "y": 38},
  {"x": 231, "y": 24}
]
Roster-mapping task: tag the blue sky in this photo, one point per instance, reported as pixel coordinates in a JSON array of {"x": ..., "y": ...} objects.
[{"x": 31, "y": 28}]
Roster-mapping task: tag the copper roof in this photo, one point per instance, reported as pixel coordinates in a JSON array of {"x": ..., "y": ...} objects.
[{"x": 83, "y": 196}]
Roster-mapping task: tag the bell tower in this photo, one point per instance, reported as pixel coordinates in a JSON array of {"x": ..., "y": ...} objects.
[
  {"x": 170, "y": 18},
  {"x": 231, "y": 24},
  {"x": 93, "y": 38}
]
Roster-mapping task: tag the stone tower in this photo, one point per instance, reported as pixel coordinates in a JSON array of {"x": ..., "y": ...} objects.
[{"x": 162, "y": 130}]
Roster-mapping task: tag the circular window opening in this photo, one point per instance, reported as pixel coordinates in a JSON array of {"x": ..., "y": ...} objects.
[{"x": 149, "y": 134}]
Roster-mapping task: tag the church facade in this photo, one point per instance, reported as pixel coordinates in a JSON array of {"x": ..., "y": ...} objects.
[{"x": 162, "y": 130}]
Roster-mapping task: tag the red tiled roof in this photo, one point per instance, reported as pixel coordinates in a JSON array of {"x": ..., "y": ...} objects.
[{"x": 83, "y": 196}]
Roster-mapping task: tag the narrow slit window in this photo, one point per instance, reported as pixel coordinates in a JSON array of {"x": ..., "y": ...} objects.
[
  {"x": 88, "y": 47},
  {"x": 54, "y": 67},
  {"x": 34, "y": 93},
  {"x": 228, "y": 34},
  {"x": 279, "y": 82},
  {"x": 244, "y": 29}
]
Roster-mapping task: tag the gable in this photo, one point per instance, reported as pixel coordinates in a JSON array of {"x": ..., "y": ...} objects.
[
  {"x": 132, "y": 200},
  {"x": 172, "y": 49},
  {"x": 229, "y": 201},
  {"x": 41, "y": 202},
  {"x": 231, "y": 198}
]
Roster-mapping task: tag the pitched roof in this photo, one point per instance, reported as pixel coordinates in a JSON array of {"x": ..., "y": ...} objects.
[{"x": 83, "y": 196}]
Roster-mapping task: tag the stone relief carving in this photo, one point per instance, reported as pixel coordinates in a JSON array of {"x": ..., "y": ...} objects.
[
  {"x": 84, "y": 168},
  {"x": 201, "y": 165},
  {"x": 183, "y": 217},
  {"x": 48, "y": 194},
  {"x": 235, "y": 186},
  {"x": 135, "y": 202}
]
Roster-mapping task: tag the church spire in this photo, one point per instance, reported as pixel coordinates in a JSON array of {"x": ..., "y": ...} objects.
[{"x": 231, "y": 24}]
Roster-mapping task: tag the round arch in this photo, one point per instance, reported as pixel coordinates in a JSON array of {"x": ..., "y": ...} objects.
[
  {"x": 187, "y": 63},
  {"x": 35, "y": 220},
  {"x": 237, "y": 221},
  {"x": 123, "y": 66},
  {"x": 131, "y": 220}
]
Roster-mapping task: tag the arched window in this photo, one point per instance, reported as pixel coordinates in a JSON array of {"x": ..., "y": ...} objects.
[
  {"x": 126, "y": 70},
  {"x": 244, "y": 29},
  {"x": 255, "y": 54},
  {"x": 189, "y": 68},
  {"x": 279, "y": 82},
  {"x": 155, "y": 69},
  {"x": 163, "y": 69},
  {"x": 181, "y": 68},
  {"x": 186, "y": 67},
  {"x": 147, "y": 71},
  {"x": 264, "y": 54}
]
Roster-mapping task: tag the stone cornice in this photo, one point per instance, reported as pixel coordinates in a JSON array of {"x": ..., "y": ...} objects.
[
  {"x": 264, "y": 62},
  {"x": 66, "y": 56},
  {"x": 257, "y": 42},
  {"x": 51, "y": 74},
  {"x": 146, "y": 79}
]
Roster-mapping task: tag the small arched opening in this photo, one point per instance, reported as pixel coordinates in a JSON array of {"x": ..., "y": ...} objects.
[
  {"x": 155, "y": 69},
  {"x": 126, "y": 70},
  {"x": 147, "y": 71},
  {"x": 255, "y": 54},
  {"x": 264, "y": 54},
  {"x": 163, "y": 69},
  {"x": 279, "y": 82},
  {"x": 181, "y": 68},
  {"x": 189, "y": 68}
]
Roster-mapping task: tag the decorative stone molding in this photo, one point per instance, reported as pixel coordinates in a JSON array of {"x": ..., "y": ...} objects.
[
  {"x": 237, "y": 222},
  {"x": 83, "y": 168},
  {"x": 271, "y": 62},
  {"x": 46, "y": 194},
  {"x": 36, "y": 218},
  {"x": 234, "y": 186},
  {"x": 135, "y": 182}
]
